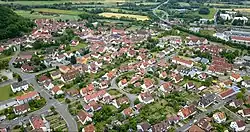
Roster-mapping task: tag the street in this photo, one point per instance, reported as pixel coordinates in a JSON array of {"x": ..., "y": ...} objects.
[{"x": 60, "y": 108}]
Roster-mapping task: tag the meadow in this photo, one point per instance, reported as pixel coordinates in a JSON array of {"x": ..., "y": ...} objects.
[
  {"x": 36, "y": 15},
  {"x": 119, "y": 15}
]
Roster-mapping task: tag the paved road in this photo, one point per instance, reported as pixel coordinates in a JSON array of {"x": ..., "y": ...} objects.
[
  {"x": 154, "y": 11},
  {"x": 132, "y": 97},
  {"x": 61, "y": 108}
]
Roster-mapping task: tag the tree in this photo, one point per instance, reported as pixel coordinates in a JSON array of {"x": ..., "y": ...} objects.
[
  {"x": 240, "y": 95},
  {"x": 67, "y": 100},
  {"x": 204, "y": 11},
  {"x": 73, "y": 59}
]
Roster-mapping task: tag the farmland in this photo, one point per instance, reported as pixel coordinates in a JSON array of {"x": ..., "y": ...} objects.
[
  {"x": 119, "y": 15},
  {"x": 37, "y": 15},
  {"x": 65, "y": 12},
  {"x": 62, "y": 1}
]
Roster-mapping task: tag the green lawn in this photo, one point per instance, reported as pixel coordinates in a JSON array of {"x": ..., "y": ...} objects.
[
  {"x": 65, "y": 12},
  {"x": 79, "y": 46},
  {"x": 208, "y": 32},
  {"x": 246, "y": 78},
  {"x": 184, "y": 4},
  {"x": 209, "y": 16},
  {"x": 114, "y": 92}
]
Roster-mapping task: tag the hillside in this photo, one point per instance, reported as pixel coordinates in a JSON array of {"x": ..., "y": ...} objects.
[{"x": 13, "y": 25}]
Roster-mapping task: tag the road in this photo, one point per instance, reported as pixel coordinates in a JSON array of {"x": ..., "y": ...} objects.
[
  {"x": 158, "y": 8},
  {"x": 50, "y": 101},
  {"x": 132, "y": 97}
]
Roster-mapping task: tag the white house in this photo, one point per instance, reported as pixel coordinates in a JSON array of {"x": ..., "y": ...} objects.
[
  {"x": 236, "y": 77},
  {"x": 238, "y": 125},
  {"x": 19, "y": 86},
  {"x": 83, "y": 117},
  {"x": 219, "y": 117}
]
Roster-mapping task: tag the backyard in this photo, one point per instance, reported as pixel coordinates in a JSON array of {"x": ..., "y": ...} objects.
[
  {"x": 56, "y": 122},
  {"x": 6, "y": 93}
]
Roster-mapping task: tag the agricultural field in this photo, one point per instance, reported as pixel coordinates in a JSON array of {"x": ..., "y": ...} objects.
[
  {"x": 57, "y": 123},
  {"x": 64, "y": 1},
  {"x": 119, "y": 15},
  {"x": 57, "y": 11}
]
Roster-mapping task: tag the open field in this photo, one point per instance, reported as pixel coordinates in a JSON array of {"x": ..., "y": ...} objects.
[
  {"x": 209, "y": 16},
  {"x": 36, "y": 15},
  {"x": 65, "y": 12},
  {"x": 62, "y": 1},
  {"x": 79, "y": 46},
  {"x": 184, "y": 4},
  {"x": 119, "y": 15}
]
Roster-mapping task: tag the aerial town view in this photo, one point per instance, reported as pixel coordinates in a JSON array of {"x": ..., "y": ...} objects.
[{"x": 125, "y": 66}]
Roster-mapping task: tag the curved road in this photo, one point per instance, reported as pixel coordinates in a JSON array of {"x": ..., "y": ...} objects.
[{"x": 60, "y": 108}]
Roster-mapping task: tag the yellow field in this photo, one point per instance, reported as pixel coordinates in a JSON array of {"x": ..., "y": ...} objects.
[
  {"x": 242, "y": 9},
  {"x": 119, "y": 15}
]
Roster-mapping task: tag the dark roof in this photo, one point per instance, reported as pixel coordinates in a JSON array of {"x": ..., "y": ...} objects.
[
  {"x": 145, "y": 126},
  {"x": 19, "y": 84},
  {"x": 160, "y": 127},
  {"x": 207, "y": 99}
]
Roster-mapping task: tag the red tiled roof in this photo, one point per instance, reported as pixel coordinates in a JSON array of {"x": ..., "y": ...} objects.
[
  {"x": 27, "y": 95},
  {"x": 37, "y": 122},
  {"x": 226, "y": 92},
  {"x": 89, "y": 128}
]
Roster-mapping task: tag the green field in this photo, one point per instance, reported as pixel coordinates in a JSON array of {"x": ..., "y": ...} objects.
[
  {"x": 79, "y": 46},
  {"x": 64, "y": 1},
  {"x": 36, "y": 15},
  {"x": 209, "y": 16}
]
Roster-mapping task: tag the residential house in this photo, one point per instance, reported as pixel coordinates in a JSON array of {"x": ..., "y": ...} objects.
[
  {"x": 25, "y": 98},
  {"x": 128, "y": 112},
  {"x": 189, "y": 85},
  {"x": 70, "y": 76},
  {"x": 143, "y": 127},
  {"x": 48, "y": 85},
  {"x": 219, "y": 117},
  {"x": 21, "y": 109},
  {"x": 177, "y": 78},
  {"x": 56, "y": 90},
  {"x": 245, "y": 112},
  {"x": 163, "y": 74},
  {"x": 55, "y": 75},
  {"x": 19, "y": 86},
  {"x": 123, "y": 83},
  {"x": 38, "y": 123},
  {"x": 145, "y": 98},
  {"x": 42, "y": 79},
  {"x": 27, "y": 68},
  {"x": 120, "y": 101},
  {"x": 88, "y": 90},
  {"x": 89, "y": 128},
  {"x": 181, "y": 61},
  {"x": 238, "y": 125},
  {"x": 64, "y": 69},
  {"x": 187, "y": 111},
  {"x": 148, "y": 84},
  {"x": 227, "y": 93},
  {"x": 236, "y": 77},
  {"x": 196, "y": 41},
  {"x": 163, "y": 126},
  {"x": 206, "y": 100},
  {"x": 236, "y": 103},
  {"x": 195, "y": 128},
  {"x": 83, "y": 117},
  {"x": 204, "y": 123},
  {"x": 166, "y": 87},
  {"x": 246, "y": 83}
]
